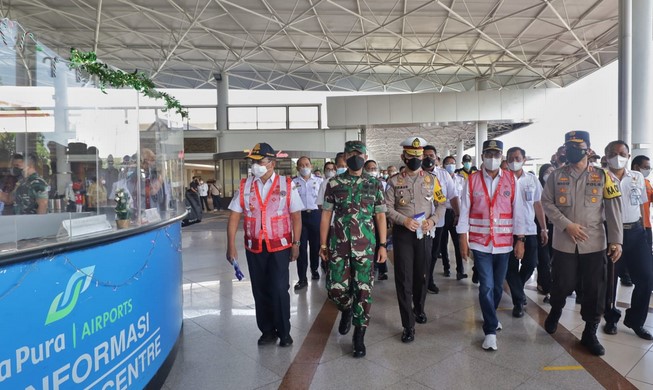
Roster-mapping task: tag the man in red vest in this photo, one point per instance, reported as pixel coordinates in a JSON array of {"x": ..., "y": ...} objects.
[
  {"x": 488, "y": 227},
  {"x": 273, "y": 224}
]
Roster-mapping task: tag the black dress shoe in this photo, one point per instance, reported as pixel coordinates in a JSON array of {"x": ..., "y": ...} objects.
[
  {"x": 460, "y": 276},
  {"x": 433, "y": 289},
  {"x": 345, "y": 321},
  {"x": 640, "y": 331},
  {"x": 315, "y": 275},
  {"x": 447, "y": 273},
  {"x": 285, "y": 341},
  {"x": 610, "y": 328},
  {"x": 420, "y": 318},
  {"x": 518, "y": 311},
  {"x": 301, "y": 284},
  {"x": 267, "y": 338},
  {"x": 383, "y": 276},
  {"x": 551, "y": 322},
  {"x": 408, "y": 335},
  {"x": 474, "y": 276}
]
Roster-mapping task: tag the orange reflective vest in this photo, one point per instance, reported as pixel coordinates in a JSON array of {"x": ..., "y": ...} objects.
[{"x": 491, "y": 219}]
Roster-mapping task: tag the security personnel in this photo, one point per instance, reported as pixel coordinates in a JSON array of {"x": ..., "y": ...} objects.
[
  {"x": 441, "y": 177},
  {"x": 308, "y": 187},
  {"x": 272, "y": 226},
  {"x": 637, "y": 256},
  {"x": 410, "y": 198},
  {"x": 489, "y": 216},
  {"x": 468, "y": 168},
  {"x": 355, "y": 201},
  {"x": 578, "y": 198}
]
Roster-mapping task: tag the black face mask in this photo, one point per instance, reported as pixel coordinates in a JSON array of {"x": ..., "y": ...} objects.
[
  {"x": 355, "y": 163},
  {"x": 562, "y": 159},
  {"x": 413, "y": 163},
  {"x": 428, "y": 163},
  {"x": 574, "y": 155},
  {"x": 16, "y": 172}
]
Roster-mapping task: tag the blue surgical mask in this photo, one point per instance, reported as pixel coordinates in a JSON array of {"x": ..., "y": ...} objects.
[
  {"x": 451, "y": 168},
  {"x": 467, "y": 165},
  {"x": 340, "y": 171}
]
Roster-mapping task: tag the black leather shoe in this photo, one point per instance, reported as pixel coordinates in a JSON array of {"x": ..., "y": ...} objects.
[
  {"x": 474, "y": 276},
  {"x": 640, "y": 331},
  {"x": 433, "y": 289},
  {"x": 626, "y": 282},
  {"x": 315, "y": 275},
  {"x": 383, "y": 276},
  {"x": 420, "y": 318},
  {"x": 518, "y": 311},
  {"x": 301, "y": 284},
  {"x": 408, "y": 335},
  {"x": 551, "y": 322},
  {"x": 610, "y": 328},
  {"x": 460, "y": 276},
  {"x": 447, "y": 273},
  {"x": 345, "y": 322},
  {"x": 285, "y": 341},
  {"x": 267, "y": 338}
]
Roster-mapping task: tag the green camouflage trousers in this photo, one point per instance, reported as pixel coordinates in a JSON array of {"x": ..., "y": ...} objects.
[{"x": 349, "y": 285}]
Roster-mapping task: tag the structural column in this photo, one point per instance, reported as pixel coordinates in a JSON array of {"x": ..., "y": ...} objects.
[
  {"x": 642, "y": 77},
  {"x": 222, "y": 85},
  {"x": 460, "y": 150},
  {"x": 625, "y": 70},
  {"x": 481, "y": 136}
]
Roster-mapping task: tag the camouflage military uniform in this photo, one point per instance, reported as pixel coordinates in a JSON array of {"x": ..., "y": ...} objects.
[
  {"x": 354, "y": 201},
  {"x": 27, "y": 192}
]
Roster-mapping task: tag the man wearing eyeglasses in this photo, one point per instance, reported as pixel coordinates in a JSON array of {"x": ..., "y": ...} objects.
[
  {"x": 273, "y": 224},
  {"x": 578, "y": 199}
]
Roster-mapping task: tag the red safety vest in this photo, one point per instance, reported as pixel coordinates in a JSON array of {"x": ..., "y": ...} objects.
[
  {"x": 491, "y": 220},
  {"x": 267, "y": 219}
]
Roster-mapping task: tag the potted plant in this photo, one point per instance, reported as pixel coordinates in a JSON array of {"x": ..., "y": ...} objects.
[{"x": 123, "y": 212}]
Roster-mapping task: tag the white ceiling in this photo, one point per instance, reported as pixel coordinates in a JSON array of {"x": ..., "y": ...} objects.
[{"x": 353, "y": 45}]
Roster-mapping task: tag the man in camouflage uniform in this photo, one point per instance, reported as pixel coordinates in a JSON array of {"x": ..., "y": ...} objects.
[
  {"x": 31, "y": 193},
  {"x": 355, "y": 199}
]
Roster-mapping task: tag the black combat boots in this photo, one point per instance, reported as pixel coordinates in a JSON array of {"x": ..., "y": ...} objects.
[
  {"x": 345, "y": 321},
  {"x": 590, "y": 341},
  {"x": 551, "y": 322},
  {"x": 359, "y": 341}
]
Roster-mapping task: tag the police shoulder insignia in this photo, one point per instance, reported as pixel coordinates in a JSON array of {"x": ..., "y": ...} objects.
[{"x": 427, "y": 179}]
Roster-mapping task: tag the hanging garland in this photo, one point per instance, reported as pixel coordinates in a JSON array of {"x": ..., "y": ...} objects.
[{"x": 88, "y": 62}]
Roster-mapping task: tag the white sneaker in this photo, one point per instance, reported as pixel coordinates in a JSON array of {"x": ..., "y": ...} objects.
[
  {"x": 499, "y": 326},
  {"x": 490, "y": 342}
]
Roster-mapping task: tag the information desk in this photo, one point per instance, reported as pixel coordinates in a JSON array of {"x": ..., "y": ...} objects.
[{"x": 100, "y": 313}]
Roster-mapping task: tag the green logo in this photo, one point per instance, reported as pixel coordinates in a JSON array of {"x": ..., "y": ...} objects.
[{"x": 65, "y": 302}]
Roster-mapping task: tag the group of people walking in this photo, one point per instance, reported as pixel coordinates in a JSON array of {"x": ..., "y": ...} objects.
[{"x": 507, "y": 220}]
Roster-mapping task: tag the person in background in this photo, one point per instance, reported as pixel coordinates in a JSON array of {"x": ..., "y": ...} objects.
[
  {"x": 544, "y": 251},
  {"x": 579, "y": 199},
  {"x": 372, "y": 169},
  {"x": 9, "y": 182},
  {"x": 392, "y": 170},
  {"x": 636, "y": 257},
  {"x": 96, "y": 195},
  {"x": 451, "y": 220},
  {"x": 308, "y": 186},
  {"x": 330, "y": 171},
  {"x": 203, "y": 191},
  {"x": 318, "y": 173},
  {"x": 468, "y": 167},
  {"x": 269, "y": 247},
  {"x": 30, "y": 196},
  {"x": 560, "y": 157},
  {"x": 216, "y": 194},
  {"x": 642, "y": 164}
]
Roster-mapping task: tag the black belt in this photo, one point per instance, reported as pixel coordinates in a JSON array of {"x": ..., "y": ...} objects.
[
  {"x": 309, "y": 211},
  {"x": 632, "y": 225}
]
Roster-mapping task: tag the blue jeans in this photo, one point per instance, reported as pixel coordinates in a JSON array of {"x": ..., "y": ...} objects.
[{"x": 491, "y": 270}]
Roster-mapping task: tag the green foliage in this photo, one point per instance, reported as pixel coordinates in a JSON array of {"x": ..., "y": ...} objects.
[{"x": 88, "y": 62}]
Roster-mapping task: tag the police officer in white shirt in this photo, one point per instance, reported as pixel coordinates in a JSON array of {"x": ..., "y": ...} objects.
[
  {"x": 451, "y": 220},
  {"x": 308, "y": 186},
  {"x": 531, "y": 194},
  {"x": 636, "y": 254}
]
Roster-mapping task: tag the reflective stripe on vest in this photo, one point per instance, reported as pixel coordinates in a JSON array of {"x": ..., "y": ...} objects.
[
  {"x": 267, "y": 220},
  {"x": 491, "y": 220}
]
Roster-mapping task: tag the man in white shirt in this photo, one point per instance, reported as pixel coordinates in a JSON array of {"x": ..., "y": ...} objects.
[
  {"x": 531, "y": 193},
  {"x": 308, "y": 186},
  {"x": 451, "y": 220},
  {"x": 265, "y": 198},
  {"x": 203, "y": 190},
  {"x": 489, "y": 217},
  {"x": 636, "y": 254}
]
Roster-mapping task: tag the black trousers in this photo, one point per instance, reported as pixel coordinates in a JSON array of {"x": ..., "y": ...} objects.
[
  {"x": 520, "y": 271},
  {"x": 450, "y": 229},
  {"x": 649, "y": 237},
  {"x": 435, "y": 248},
  {"x": 205, "y": 203},
  {"x": 638, "y": 260},
  {"x": 381, "y": 267},
  {"x": 544, "y": 261},
  {"x": 410, "y": 265},
  {"x": 269, "y": 273},
  {"x": 592, "y": 269},
  {"x": 310, "y": 243}
]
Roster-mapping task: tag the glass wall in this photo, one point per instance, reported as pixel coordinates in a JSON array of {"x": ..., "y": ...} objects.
[{"x": 68, "y": 150}]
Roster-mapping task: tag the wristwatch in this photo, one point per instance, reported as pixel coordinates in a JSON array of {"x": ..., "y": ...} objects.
[
  {"x": 298, "y": 243},
  {"x": 522, "y": 238},
  {"x": 384, "y": 244},
  {"x": 323, "y": 246}
]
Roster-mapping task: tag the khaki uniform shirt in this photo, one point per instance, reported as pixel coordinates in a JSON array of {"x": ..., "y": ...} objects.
[
  {"x": 588, "y": 199},
  {"x": 407, "y": 196}
]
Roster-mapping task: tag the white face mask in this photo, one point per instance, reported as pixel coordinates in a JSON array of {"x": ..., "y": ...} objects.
[
  {"x": 329, "y": 174},
  {"x": 340, "y": 171},
  {"x": 305, "y": 172},
  {"x": 646, "y": 172},
  {"x": 515, "y": 165},
  {"x": 617, "y": 162},
  {"x": 259, "y": 170},
  {"x": 373, "y": 173},
  {"x": 492, "y": 164}
]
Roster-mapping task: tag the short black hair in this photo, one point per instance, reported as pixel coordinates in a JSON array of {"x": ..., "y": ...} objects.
[
  {"x": 514, "y": 149},
  {"x": 612, "y": 144},
  {"x": 430, "y": 147},
  {"x": 447, "y": 158},
  {"x": 369, "y": 162},
  {"x": 17, "y": 156},
  {"x": 638, "y": 160},
  {"x": 339, "y": 155},
  {"x": 467, "y": 157},
  {"x": 329, "y": 163},
  {"x": 543, "y": 169}
]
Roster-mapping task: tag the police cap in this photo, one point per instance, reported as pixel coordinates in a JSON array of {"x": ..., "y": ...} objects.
[
  {"x": 261, "y": 151},
  {"x": 578, "y": 136},
  {"x": 414, "y": 146},
  {"x": 493, "y": 144}
]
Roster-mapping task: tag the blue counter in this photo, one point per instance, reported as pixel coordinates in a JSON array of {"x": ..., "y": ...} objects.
[{"x": 105, "y": 316}]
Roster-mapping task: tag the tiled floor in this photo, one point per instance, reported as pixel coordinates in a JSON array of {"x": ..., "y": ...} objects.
[{"x": 218, "y": 349}]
